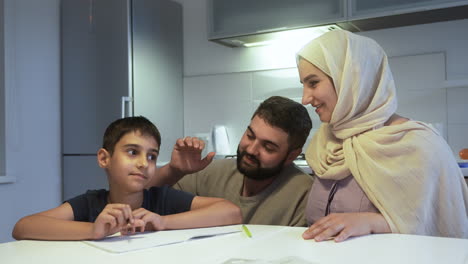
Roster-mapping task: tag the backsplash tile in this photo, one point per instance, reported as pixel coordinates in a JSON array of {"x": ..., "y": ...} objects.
[
  {"x": 458, "y": 137},
  {"x": 222, "y": 99},
  {"x": 230, "y": 99},
  {"x": 457, "y": 105}
]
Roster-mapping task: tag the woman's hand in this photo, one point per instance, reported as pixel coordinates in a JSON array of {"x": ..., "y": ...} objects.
[
  {"x": 149, "y": 221},
  {"x": 341, "y": 226}
]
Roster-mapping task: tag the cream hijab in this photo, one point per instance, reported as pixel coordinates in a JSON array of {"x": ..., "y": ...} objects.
[{"x": 407, "y": 171}]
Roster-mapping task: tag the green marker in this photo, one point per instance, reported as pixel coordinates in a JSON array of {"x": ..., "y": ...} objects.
[{"x": 246, "y": 231}]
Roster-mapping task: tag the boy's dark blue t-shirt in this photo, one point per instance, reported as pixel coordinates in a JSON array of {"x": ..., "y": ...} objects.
[{"x": 160, "y": 200}]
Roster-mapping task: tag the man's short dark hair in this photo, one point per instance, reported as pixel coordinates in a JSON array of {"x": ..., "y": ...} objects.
[
  {"x": 120, "y": 127},
  {"x": 292, "y": 117}
]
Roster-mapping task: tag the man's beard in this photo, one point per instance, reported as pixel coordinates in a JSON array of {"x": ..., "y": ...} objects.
[{"x": 258, "y": 173}]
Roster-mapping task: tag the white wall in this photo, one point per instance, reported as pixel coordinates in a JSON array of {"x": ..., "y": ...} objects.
[
  {"x": 33, "y": 111},
  {"x": 215, "y": 73}
]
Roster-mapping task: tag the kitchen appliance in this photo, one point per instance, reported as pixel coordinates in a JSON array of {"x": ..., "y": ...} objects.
[
  {"x": 119, "y": 58},
  {"x": 220, "y": 141}
]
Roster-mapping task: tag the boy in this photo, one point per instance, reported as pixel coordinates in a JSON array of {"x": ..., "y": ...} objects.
[{"x": 129, "y": 153}]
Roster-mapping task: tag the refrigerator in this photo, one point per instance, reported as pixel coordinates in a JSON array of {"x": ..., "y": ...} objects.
[{"x": 119, "y": 58}]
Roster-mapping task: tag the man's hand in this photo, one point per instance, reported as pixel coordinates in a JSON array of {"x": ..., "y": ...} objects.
[
  {"x": 185, "y": 159},
  {"x": 186, "y": 156}
]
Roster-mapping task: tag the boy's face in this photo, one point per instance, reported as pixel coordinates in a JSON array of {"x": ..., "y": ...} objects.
[{"x": 133, "y": 162}]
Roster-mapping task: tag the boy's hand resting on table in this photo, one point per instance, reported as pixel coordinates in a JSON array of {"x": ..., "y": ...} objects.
[
  {"x": 114, "y": 218},
  {"x": 119, "y": 217},
  {"x": 148, "y": 221},
  {"x": 341, "y": 226}
]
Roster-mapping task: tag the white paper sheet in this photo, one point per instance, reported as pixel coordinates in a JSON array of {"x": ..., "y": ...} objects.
[{"x": 119, "y": 244}]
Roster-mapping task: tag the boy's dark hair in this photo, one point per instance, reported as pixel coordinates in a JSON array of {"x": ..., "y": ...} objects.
[
  {"x": 120, "y": 127},
  {"x": 290, "y": 116}
]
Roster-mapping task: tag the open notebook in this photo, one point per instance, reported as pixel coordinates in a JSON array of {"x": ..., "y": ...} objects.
[{"x": 119, "y": 244}]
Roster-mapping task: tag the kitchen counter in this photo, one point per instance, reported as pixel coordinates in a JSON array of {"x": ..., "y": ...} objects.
[
  {"x": 465, "y": 172},
  {"x": 302, "y": 164},
  {"x": 464, "y": 168}
]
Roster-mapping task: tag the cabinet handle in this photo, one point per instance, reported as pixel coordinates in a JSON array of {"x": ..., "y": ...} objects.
[{"x": 126, "y": 99}]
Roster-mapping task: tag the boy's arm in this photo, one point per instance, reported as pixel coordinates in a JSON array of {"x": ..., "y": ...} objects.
[
  {"x": 58, "y": 224},
  {"x": 204, "y": 212},
  {"x": 53, "y": 224},
  {"x": 185, "y": 159}
]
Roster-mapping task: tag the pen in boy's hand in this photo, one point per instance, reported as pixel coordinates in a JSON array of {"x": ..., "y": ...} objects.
[{"x": 246, "y": 231}]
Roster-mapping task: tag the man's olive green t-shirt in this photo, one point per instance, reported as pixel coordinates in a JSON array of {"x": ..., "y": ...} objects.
[{"x": 281, "y": 203}]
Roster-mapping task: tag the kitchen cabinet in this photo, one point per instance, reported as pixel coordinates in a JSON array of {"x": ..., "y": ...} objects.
[
  {"x": 95, "y": 62},
  {"x": 119, "y": 58},
  {"x": 369, "y": 8},
  {"x": 82, "y": 173},
  {"x": 229, "y": 18},
  {"x": 364, "y": 15},
  {"x": 233, "y": 23}
]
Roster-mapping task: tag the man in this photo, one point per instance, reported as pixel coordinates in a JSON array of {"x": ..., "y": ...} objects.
[{"x": 263, "y": 181}]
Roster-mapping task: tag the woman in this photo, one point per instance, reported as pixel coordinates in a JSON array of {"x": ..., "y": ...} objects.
[{"x": 377, "y": 172}]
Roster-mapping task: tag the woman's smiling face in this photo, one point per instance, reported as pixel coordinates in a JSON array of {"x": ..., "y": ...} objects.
[{"x": 318, "y": 91}]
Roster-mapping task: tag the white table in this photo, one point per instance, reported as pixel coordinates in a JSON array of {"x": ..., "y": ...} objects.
[{"x": 268, "y": 244}]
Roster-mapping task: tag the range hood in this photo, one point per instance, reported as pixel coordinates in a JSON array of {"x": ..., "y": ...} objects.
[
  {"x": 354, "y": 25},
  {"x": 267, "y": 38}
]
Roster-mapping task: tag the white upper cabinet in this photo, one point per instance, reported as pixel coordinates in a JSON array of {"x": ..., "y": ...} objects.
[
  {"x": 372, "y": 8},
  {"x": 229, "y": 18},
  {"x": 366, "y": 15}
]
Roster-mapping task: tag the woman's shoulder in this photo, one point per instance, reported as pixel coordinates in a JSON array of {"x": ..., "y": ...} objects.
[{"x": 396, "y": 120}]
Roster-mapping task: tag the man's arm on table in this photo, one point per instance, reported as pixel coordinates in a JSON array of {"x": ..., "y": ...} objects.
[{"x": 185, "y": 159}]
